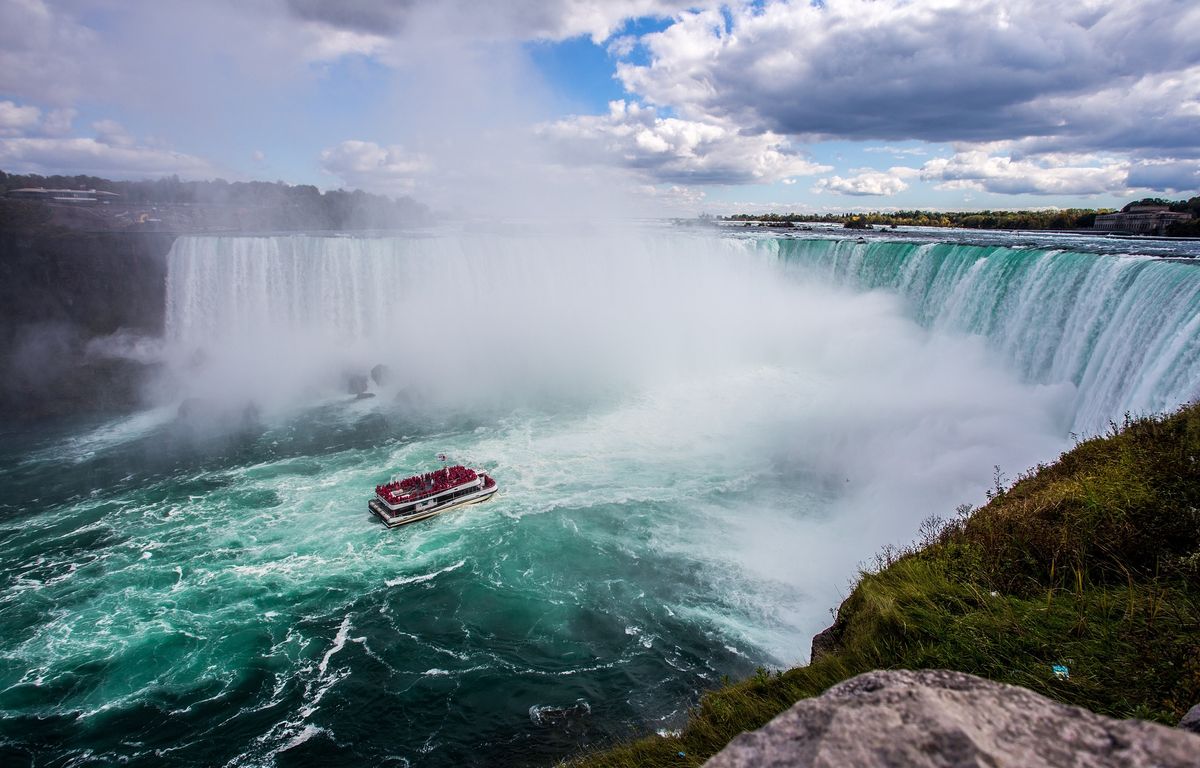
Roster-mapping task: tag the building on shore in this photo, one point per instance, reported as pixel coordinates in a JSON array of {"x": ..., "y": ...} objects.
[
  {"x": 80, "y": 196},
  {"x": 1140, "y": 220}
]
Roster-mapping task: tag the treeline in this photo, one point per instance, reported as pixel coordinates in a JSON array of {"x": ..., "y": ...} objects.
[
  {"x": 1191, "y": 206},
  {"x": 280, "y": 204},
  {"x": 1070, "y": 218}
]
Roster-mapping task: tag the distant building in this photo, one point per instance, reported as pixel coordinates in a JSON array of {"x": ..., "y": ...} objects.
[
  {"x": 79, "y": 196},
  {"x": 1140, "y": 220}
]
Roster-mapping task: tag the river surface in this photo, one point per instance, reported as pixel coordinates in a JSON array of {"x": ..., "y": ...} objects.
[{"x": 698, "y": 438}]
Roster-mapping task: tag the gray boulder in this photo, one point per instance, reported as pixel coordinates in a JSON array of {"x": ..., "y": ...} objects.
[
  {"x": 381, "y": 375},
  {"x": 1191, "y": 721},
  {"x": 949, "y": 719},
  {"x": 356, "y": 384}
]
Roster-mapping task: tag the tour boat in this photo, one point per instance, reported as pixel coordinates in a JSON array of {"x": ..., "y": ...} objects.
[{"x": 421, "y": 497}]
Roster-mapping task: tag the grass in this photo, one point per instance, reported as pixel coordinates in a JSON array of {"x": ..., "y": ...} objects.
[{"x": 1092, "y": 562}]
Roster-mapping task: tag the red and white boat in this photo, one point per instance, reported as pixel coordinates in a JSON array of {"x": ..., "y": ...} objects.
[{"x": 421, "y": 497}]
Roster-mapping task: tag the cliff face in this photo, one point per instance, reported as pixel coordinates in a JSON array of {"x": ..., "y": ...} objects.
[{"x": 62, "y": 291}]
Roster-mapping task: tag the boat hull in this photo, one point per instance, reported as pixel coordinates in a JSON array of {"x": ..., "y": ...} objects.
[{"x": 395, "y": 521}]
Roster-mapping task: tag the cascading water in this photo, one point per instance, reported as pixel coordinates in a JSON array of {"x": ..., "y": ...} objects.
[
  {"x": 697, "y": 439},
  {"x": 1125, "y": 331}
]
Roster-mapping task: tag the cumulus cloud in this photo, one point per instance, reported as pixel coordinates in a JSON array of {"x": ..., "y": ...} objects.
[
  {"x": 951, "y": 70},
  {"x": 31, "y": 142},
  {"x": 369, "y": 166},
  {"x": 59, "y": 121},
  {"x": 1048, "y": 175},
  {"x": 867, "y": 182},
  {"x": 673, "y": 150},
  {"x": 113, "y": 134},
  {"x": 16, "y": 119},
  {"x": 1156, "y": 114}
]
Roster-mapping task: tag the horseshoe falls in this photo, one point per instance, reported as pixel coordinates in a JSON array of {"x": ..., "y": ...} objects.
[
  {"x": 1122, "y": 330},
  {"x": 697, "y": 439}
]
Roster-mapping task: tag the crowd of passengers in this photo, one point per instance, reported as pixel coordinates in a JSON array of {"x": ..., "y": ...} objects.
[{"x": 427, "y": 484}]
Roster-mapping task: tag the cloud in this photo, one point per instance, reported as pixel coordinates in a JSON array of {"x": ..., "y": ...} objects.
[
  {"x": 113, "y": 134},
  {"x": 672, "y": 150},
  {"x": 1158, "y": 113},
  {"x": 26, "y": 119},
  {"x": 868, "y": 182},
  {"x": 58, "y": 121},
  {"x": 369, "y": 166},
  {"x": 92, "y": 156},
  {"x": 950, "y": 70},
  {"x": 1048, "y": 175},
  {"x": 44, "y": 53},
  {"x": 329, "y": 44},
  {"x": 1166, "y": 176},
  {"x": 111, "y": 152},
  {"x": 16, "y": 119},
  {"x": 898, "y": 151},
  {"x": 517, "y": 19}
]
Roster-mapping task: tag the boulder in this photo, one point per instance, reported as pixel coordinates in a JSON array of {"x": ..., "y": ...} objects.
[
  {"x": 381, "y": 375},
  {"x": 356, "y": 384},
  {"x": 950, "y": 719},
  {"x": 1191, "y": 721}
]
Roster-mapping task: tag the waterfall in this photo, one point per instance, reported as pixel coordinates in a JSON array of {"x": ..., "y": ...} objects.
[{"x": 1124, "y": 330}]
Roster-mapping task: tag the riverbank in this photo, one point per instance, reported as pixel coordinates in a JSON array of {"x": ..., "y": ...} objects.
[{"x": 1091, "y": 563}]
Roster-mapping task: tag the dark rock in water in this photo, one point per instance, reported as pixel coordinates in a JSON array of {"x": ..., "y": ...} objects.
[
  {"x": 364, "y": 396},
  {"x": 1191, "y": 721},
  {"x": 381, "y": 375},
  {"x": 251, "y": 416},
  {"x": 199, "y": 416},
  {"x": 951, "y": 720},
  {"x": 357, "y": 384},
  {"x": 193, "y": 408}
]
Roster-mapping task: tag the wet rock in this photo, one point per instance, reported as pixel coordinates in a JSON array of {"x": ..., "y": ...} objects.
[
  {"x": 826, "y": 642},
  {"x": 356, "y": 384},
  {"x": 1191, "y": 721},
  {"x": 950, "y": 719},
  {"x": 381, "y": 375},
  {"x": 194, "y": 409},
  {"x": 251, "y": 416}
]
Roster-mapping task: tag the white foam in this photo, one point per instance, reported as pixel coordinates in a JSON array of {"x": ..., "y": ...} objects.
[
  {"x": 339, "y": 642},
  {"x": 424, "y": 577}
]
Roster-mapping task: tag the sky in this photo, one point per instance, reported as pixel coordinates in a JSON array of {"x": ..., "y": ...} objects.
[{"x": 632, "y": 106}]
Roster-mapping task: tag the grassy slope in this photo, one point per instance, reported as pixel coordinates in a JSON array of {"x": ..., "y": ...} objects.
[{"x": 1092, "y": 562}]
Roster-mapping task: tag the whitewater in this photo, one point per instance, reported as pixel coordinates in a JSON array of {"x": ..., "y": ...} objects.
[{"x": 698, "y": 437}]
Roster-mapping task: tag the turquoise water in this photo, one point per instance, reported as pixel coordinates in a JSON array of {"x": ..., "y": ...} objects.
[{"x": 696, "y": 440}]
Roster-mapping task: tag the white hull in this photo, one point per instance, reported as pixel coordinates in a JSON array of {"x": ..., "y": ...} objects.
[{"x": 393, "y": 520}]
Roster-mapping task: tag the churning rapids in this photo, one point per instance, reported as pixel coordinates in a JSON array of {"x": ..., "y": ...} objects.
[{"x": 698, "y": 438}]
